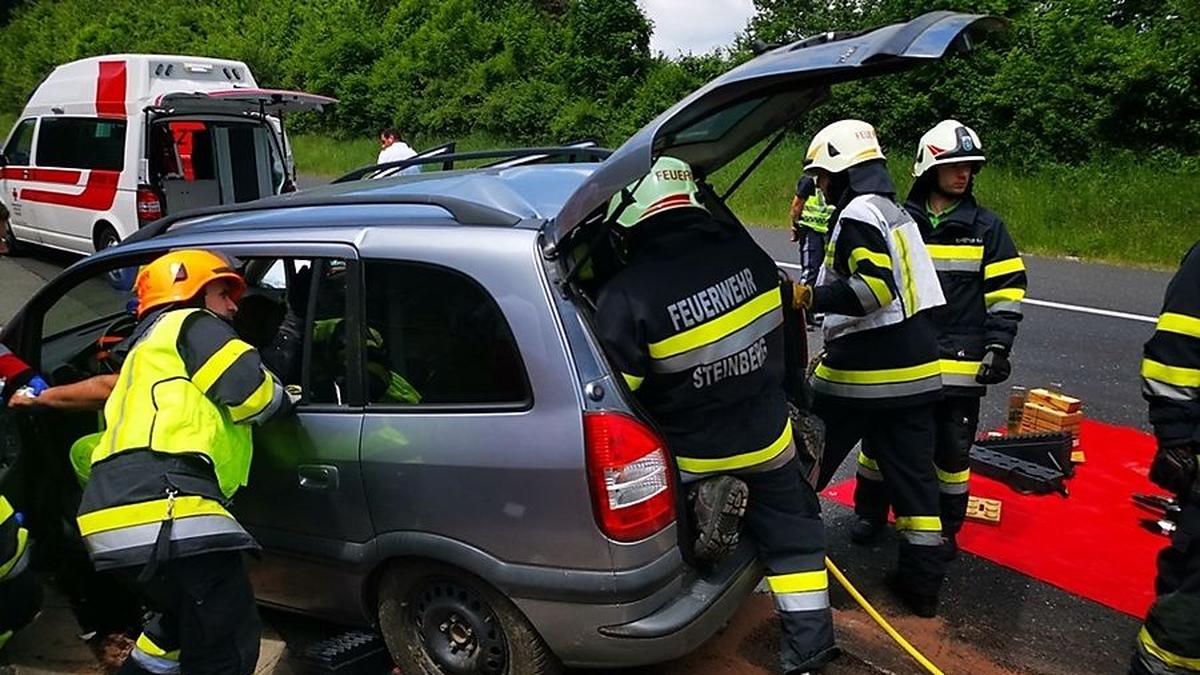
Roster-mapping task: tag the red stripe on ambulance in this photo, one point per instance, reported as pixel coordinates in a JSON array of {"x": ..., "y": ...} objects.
[{"x": 110, "y": 89}]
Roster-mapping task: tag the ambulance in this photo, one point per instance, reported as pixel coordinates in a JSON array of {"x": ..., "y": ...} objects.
[{"x": 110, "y": 143}]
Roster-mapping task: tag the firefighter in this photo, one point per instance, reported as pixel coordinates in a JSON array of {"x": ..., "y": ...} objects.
[
  {"x": 810, "y": 225},
  {"x": 1169, "y": 641},
  {"x": 694, "y": 324},
  {"x": 984, "y": 281},
  {"x": 20, "y": 592},
  {"x": 176, "y": 447},
  {"x": 879, "y": 378}
]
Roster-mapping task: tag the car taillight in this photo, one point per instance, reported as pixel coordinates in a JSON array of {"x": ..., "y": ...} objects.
[
  {"x": 630, "y": 473},
  {"x": 149, "y": 206}
]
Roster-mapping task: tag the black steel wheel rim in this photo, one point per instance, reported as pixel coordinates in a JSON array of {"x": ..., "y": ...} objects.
[{"x": 458, "y": 630}]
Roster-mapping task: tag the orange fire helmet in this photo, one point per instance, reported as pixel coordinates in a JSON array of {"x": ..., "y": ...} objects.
[{"x": 179, "y": 276}]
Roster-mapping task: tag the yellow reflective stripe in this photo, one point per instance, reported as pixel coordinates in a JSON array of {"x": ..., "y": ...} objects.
[
  {"x": 910, "y": 289},
  {"x": 919, "y": 523},
  {"x": 5, "y": 637},
  {"x": 6, "y": 510},
  {"x": 1169, "y": 658},
  {"x": 1004, "y": 294},
  {"x": 955, "y": 252},
  {"x": 256, "y": 401},
  {"x": 799, "y": 582},
  {"x": 131, "y": 515},
  {"x": 999, "y": 269},
  {"x": 954, "y": 367},
  {"x": 633, "y": 381},
  {"x": 878, "y": 259},
  {"x": 715, "y": 329},
  {"x": 742, "y": 461},
  {"x": 22, "y": 543},
  {"x": 1176, "y": 375},
  {"x": 884, "y": 376},
  {"x": 879, "y": 289},
  {"x": 953, "y": 477},
  {"x": 147, "y": 645},
  {"x": 218, "y": 363},
  {"x": 1172, "y": 323},
  {"x": 867, "y": 461}
]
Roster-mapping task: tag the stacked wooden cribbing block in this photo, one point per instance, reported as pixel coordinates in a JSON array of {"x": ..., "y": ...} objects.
[{"x": 1045, "y": 410}]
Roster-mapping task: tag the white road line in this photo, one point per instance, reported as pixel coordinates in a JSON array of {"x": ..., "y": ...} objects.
[{"x": 1057, "y": 305}]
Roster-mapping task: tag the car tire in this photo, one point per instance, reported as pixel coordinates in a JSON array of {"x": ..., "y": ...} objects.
[
  {"x": 437, "y": 620},
  {"x": 14, "y": 245},
  {"x": 106, "y": 237}
]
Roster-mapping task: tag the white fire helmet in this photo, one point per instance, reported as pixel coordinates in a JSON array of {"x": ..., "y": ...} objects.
[
  {"x": 841, "y": 145},
  {"x": 949, "y": 142}
]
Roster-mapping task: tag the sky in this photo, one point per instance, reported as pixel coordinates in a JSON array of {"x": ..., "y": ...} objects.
[{"x": 682, "y": 26}]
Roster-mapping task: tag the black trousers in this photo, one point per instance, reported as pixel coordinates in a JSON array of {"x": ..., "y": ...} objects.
[
  {"x": 812, "y": 254},
  {"x": 956, "y": 419},
  {"x": 206, "y": 603},
  {"x": 902, "y": 440},
  {"x": 20, "y": 601},
  {"x": 1169, "y": 641},
  {"x": 783, "y": 515}
]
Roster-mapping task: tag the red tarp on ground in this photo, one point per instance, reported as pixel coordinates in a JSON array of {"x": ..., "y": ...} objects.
[{"x": 1090, "y": 543}]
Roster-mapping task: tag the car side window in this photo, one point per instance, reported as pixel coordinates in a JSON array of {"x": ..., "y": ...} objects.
[
  {"x": 435, "y": 336},
  {"x": 20, "y": 146},
  {"x": 276, "y": 285},
  {"x": 81, "y": 143},
  {"x": 83, "y": 323}
]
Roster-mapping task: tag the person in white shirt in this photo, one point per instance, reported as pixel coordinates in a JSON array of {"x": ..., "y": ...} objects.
[{"x": 392, "y": 147}]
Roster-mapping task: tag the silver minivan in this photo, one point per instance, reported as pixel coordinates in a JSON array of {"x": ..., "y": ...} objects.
[{"x": 464, "y": 471}]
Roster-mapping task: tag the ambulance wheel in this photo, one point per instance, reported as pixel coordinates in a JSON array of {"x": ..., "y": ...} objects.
[
  {"x": 437, "y": 620},
  {"x": 14, "y": 245},
  {"x": 106, "y": 237}
]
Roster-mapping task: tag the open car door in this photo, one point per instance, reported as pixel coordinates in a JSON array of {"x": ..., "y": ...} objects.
[{"x": 732, "y": 113}]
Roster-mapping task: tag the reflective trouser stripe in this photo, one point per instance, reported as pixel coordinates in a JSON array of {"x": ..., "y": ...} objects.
[
  {"x": 868, "y": 468},
  {"x": 943, "y": 265},
  {"x": 884, "y": 383},
  {"x": 1147, "y": 643},
  {"x": 920, "y": 530},
  {"x": 155, "y": 659},
  {"x": 1170, "y": 391},
  {"x": 755, "y": 459},
  {"x": 633, "y": 381},
  {"x": 955, "y": 252},
  {"x": 1012, "y": 307},
  {"x": 800, "y": 591},
  {"x": 954, "y": 483},
  {"x": 15, "y": 565}
]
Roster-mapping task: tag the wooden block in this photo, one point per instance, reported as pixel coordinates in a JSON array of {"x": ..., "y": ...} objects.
[
  {"x": 984, "y": 510},
  {"x": 1078, "y": 457},
  {"x": 1049, "y": 399}
]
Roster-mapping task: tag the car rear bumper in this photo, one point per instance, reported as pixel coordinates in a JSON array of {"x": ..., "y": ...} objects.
[{"x": 670, "y": 623}]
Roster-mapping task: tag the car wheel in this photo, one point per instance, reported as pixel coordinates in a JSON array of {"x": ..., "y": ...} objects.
[
  {"x": 440, "y": 621},
  {"x": 14, "y": 245}
]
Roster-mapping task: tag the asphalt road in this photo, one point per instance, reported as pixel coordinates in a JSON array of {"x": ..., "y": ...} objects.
[{"x": 993, "y": 620}]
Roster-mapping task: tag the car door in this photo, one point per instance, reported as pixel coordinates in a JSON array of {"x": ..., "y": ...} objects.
[
  {"x": 730, "y": 114},
  {"x": 17, "y": 171},
  {"x": 305, "y": 503}
]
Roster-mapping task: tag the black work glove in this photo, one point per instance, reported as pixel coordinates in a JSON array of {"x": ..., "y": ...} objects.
[
  {"x": 995, "y": 367},
  {"x": 1174, "y": 469}
]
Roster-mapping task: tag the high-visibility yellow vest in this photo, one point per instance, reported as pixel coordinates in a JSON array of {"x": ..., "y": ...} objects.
[
  {"x": 157, "y": 406},
  {"x": 816, "y": 213}
]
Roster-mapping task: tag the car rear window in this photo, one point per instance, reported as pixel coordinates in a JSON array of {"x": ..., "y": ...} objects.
[
  {"x": 443, "y": 334},
  {"x": 81, "y": 143}
]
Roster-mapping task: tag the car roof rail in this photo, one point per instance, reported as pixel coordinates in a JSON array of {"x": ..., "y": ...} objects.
[
  {"x": 462, "y": 210},
  {"x": 584, "y": 151}
]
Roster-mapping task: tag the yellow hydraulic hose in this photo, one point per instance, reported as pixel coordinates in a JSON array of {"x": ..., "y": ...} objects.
[{"x": 887, "y": 627}]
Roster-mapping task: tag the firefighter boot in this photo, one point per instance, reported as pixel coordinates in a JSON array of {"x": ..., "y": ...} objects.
[
  {"x": 867, "y": 532},
  {"x": 717, "y": 506}
]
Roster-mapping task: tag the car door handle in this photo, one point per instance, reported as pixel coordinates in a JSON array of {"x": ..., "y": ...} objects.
[{"x": 318, "y": 477}]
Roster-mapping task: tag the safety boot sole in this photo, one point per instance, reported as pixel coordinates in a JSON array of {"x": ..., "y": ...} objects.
[{"x": 717, "y": 529}]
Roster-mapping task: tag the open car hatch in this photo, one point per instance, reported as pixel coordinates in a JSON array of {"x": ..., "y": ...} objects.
[
  {"x": 270, "y": 101},
  {"x": 730, "y": 114}
]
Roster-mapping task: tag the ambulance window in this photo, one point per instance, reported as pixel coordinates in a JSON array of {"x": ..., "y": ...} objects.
[
  {"x": 19, "y": 146},
  {"x": 81, "y": 143},
  {"x": 437, "y": 338}
]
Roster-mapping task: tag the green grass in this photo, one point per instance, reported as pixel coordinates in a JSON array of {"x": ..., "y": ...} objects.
[
  {"x": 1128, "y": 214},
  {"x": 330, "y": 157}
]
